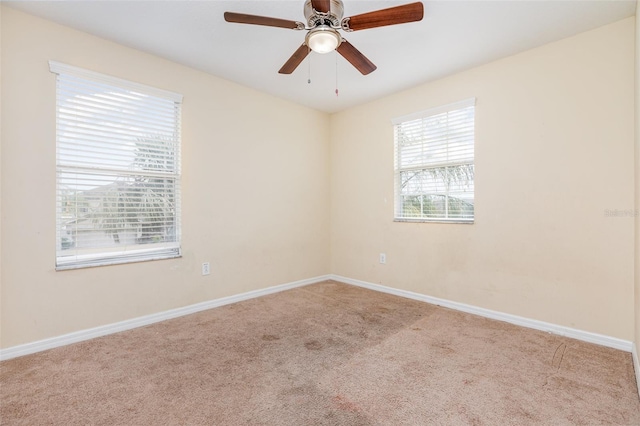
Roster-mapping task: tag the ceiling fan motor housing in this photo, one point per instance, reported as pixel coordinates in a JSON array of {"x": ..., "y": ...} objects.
[{"x": 331, "y": 18}]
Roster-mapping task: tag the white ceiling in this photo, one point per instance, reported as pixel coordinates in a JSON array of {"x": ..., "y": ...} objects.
[{"x": 453, "y": 36}]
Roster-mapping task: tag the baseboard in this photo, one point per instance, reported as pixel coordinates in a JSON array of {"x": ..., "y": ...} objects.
[
  {"x": 636, "y": 365},
  {"x": 79, "y": 336},
  {"x": 586, "y": 336}
]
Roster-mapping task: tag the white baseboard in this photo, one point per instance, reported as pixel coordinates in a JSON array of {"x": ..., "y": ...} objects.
[
  {"x": 636, "y": 365},
  {"x": 586, "y": 336},
  {"x": 79, "y": 336}
]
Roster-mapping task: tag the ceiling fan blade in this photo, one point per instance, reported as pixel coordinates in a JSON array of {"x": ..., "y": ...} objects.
[
  {"x": 295, "y": 60},
  {"x": 394, "y": 15},
  {"x": 357, "y": 59},
  {"x": 321, "y": 5},
  {"x": 241, "y": 18}
]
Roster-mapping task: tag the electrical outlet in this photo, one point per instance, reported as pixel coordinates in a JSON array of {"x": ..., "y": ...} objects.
[
  {"x": 206, "y": 268},
  {"x": 383, "y": 258}
]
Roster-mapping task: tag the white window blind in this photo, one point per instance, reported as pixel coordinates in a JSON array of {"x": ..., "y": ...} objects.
[
  {"x": 434, "y": 164},
  {"x": 117, "y": 170}
]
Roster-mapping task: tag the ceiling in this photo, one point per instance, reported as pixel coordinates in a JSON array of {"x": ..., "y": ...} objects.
[{"x": 453, "y": 36}]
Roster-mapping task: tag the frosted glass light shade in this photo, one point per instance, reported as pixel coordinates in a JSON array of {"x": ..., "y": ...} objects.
[{"x": 323, "y": 39}]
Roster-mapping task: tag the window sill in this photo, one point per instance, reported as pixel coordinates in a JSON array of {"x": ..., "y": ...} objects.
[
  {"x": 114, "y": 261},
  {"x": 453, "y": 221}
]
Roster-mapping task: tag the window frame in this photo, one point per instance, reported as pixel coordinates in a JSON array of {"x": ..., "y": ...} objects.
[
  {"x": 93, "y": 256},
  {"x": 421, "y": 115}
]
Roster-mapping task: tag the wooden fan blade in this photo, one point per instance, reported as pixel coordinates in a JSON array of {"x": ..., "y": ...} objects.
[
  {"x": 295, "y": 60},
  {"x": 241, "y": 18},
  {"x": 357, "y": 59},
  {"x": 321, "y": 5},
  {"x": 394, "y": 15}
]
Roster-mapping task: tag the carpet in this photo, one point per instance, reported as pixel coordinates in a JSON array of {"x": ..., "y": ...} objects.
[{"x": 323, "y": 354}]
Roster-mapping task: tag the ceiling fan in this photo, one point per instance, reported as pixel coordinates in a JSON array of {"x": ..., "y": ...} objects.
[{"x": 324, "y": 19}]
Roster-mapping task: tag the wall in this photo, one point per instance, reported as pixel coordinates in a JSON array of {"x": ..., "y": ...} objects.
[
  {"x": 636, "y": 338},
  {"x": 554, "y": 150},
  {"x": 0, "y": 176},
  {"x": 254, "y": 190}
]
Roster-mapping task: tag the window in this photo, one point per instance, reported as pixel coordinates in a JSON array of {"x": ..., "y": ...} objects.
[
  {"x": 117, "y": 170},
  {"x": 434, "y": 172}
]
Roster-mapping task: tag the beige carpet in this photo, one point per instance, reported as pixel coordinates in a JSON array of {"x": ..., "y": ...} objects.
[{"x": 325, "y": 354}]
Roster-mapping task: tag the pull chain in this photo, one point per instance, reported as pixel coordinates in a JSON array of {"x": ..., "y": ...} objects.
[
  {"x": 336, "y": 55},
  {"x": 309, "y": 72}
]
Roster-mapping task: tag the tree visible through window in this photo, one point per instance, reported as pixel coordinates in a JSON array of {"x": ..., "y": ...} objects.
[
  {"x": 434, "y": 164},
  {"x": 118, "y": 170}
]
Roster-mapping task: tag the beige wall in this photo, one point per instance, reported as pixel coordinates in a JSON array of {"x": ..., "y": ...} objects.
[
  {"x": 636, "y": 338},
  {"x": 254, "y": 190},
  {"x": 0, "y": 176},
  {"x": 554, "y": 149}
]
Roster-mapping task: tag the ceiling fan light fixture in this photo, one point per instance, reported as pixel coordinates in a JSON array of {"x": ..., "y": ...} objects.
[{"x": 323, "y": 39}]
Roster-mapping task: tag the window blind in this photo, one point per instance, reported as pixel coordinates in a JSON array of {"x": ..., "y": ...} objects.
[
  {"x": 434, "y": 164},
  {"x": 117, "y": 170}
]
